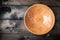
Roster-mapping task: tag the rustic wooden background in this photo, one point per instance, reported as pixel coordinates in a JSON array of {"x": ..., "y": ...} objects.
[{"x": 52, "y": 35}]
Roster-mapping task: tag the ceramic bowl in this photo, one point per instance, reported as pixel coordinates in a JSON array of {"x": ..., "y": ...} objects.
[{"x": 39, "y": 19}]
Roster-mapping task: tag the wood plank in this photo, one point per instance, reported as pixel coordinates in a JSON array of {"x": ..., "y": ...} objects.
[
  {"x": 23, "y": 30},
  {"x": 22, "y": 9},
  {"x": 30, "y": 2}
]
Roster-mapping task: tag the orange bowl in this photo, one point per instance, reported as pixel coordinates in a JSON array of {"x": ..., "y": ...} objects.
[{"x": 39, "y": 19}]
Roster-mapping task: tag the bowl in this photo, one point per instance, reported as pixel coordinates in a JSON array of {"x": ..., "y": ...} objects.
[{"x": 39, "y": 19}]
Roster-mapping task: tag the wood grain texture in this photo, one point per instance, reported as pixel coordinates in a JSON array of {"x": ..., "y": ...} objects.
[
  {"x": 55, "y": 6},
  {"x": 30, "y": 2}
]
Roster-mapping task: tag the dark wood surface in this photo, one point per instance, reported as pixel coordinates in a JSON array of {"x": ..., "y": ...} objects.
[
  {"x": 30, "y": 2},
  {"x": 24, "y": 4}
]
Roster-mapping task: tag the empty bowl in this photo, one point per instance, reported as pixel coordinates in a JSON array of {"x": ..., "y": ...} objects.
[{"x": 39, "y": 19}]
